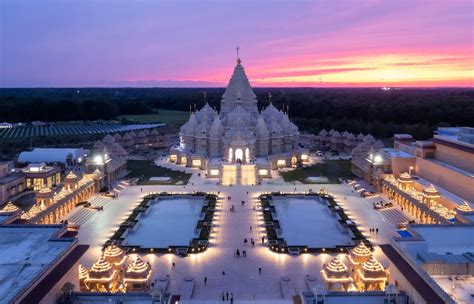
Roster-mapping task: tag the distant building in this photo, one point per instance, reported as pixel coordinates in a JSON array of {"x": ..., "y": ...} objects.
[
  {"x": 39, "y": 175},
  {"x": 109, "y": 159},
  {"x": 66, "y": 157},
  {"x": 333, "y": 140},
  {"x": 11, "y": 184},
  {"x": 433, "y": 263},
  {"x": 5, "y": 125},
  {"x": 429, "y": 179}
]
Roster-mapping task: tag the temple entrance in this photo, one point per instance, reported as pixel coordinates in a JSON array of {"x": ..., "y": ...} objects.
[
  {"x": 294, "y": 160},
  {"x": 239, "y": 155}
]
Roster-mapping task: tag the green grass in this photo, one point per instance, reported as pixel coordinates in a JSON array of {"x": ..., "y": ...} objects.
[
  {"x": 332, "y": 169},
  {"x": 162, "y": 116},
  {"x": 144, "y": 169}
]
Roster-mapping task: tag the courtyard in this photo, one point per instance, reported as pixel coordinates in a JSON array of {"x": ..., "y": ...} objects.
[{"x": 241, "y": 276}]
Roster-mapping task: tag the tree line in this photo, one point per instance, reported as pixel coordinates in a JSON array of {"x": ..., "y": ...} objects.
[{"x": 369, "y": 110}]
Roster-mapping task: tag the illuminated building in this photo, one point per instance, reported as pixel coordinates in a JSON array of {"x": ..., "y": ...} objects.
[
  {"x": 138, "y": 275},
  {"x": 238, "y": 142}
]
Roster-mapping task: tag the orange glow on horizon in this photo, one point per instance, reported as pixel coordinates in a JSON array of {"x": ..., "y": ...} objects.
[{"x": 397, "y": 70}]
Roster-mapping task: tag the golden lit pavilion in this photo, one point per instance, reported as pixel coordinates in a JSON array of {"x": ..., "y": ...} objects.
[
  {"x": 405, "y": 181},
  {"x": 102, "y": 276},
  {"x": 138, "y": 275},
  {"x": 336, "y": 275},
  {"x": 371, "y": 275}
]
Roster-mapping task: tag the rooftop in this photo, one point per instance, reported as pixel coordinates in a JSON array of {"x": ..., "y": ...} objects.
[{"x": 26, "y": 252}]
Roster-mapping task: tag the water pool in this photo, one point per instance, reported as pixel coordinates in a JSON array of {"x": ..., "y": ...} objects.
[
  {"x": 170, "y": 222},
  {"x": 404, "y": 234},
  {"x": 306, "y": 222}
]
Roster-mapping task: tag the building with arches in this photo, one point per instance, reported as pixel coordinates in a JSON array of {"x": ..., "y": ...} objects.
[{"x": 240, "y": 142}]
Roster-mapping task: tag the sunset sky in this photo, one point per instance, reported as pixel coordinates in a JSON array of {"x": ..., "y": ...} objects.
[{"x": 145, "y": 43}]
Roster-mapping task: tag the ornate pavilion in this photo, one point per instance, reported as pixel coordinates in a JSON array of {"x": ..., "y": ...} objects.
[{"x": 239, "y": 143}]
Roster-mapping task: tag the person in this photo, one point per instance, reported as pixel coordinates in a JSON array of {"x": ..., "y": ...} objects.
[
  {"x": 231, "y": 298},
  {"x": 237, "y": 252},
  {"x": 244, "y": 252},
  {"x": 259, "y": 270},
  {"x": 205, "y": 280},
  {"x": 263, "y": 239},
  {"x": 245, "y": 241},
  {"x": 227, "y": 296},
  {"x": 141, "y": 189},
  {"x": 243, "y": 202},
  {"x": 253, "y": 243},
  {"x": 377, "y": 230},
  {"x": 223, "y": 272},
  {"x": 250, "y": 228},
  {"x": 223, "y": 296}
]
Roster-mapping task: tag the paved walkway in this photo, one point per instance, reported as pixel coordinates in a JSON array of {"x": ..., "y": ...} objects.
[{"x": 241, "y": 274}]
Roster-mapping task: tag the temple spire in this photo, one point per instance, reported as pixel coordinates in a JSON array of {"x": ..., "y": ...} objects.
[
  {"x": 269, "y": 98},
  {"x": 205, "y": 98},
  {"x": 238, "y": 57}
]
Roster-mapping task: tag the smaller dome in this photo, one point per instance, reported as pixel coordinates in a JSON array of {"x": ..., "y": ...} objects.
[
  {"x": 373, "y": 269},
  {"x": 360, "y": 136},
  {"x": 261, "y": 129},
  {"x": 405, "y": 178},
  {"x": 430, "y": 192},
  {"x": 360, "y": 253},
  {"x": 335, "y": 269},
  {"x": 464, "y": 207},
  {"x": 189, "y": 127},
  {"x": 83, "y": 273},
  {"x": 102, "y": 270},
  {"x": 275, "y": 129},
  {"x": 45, "y": 190},
  {"x": 71, "y": 176},
  {"x": 9, "y": 207},
  {"x": 98, "y": 145},
  {"x": 108, "y": 139},
  {"x": 323, "y": 132},
  {"x": 217, "y": 130},
  {"x": 350, "y": 136},
  {"x": 369, "y": 138}
]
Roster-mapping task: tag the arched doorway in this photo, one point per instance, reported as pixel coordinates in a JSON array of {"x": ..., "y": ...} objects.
[
  {"x": 239, "y": 155},
  {"x": 294, "y": 160},
  {"x": 231, "y": 154}
]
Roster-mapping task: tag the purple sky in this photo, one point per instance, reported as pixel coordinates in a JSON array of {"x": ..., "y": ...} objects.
[{"x": 192, "y": 43}]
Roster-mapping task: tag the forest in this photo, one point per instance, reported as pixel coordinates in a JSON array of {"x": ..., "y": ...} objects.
[{"x": 367, "y": 110}]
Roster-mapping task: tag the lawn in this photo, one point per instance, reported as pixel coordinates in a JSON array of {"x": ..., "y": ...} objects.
[
  {"x": 332, "y": 169},
  {"x": 144, "y": 169},
  {"x": 162, "y": 116}
]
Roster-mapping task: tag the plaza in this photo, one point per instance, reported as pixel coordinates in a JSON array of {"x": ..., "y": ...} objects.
[{"x": 231, "y": 228}]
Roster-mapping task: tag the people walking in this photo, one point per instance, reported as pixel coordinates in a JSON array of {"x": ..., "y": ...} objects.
[
  {"x": 263, "y": 239},
  {"x": 259, "y": 270},
  {"x": 173, "y": 265},
  {"x": 227, "y": 296},
  {"x": 205, "y": 281}
]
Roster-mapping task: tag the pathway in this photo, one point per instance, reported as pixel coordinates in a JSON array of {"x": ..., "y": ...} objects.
[{"x": 241, "y": 274}]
